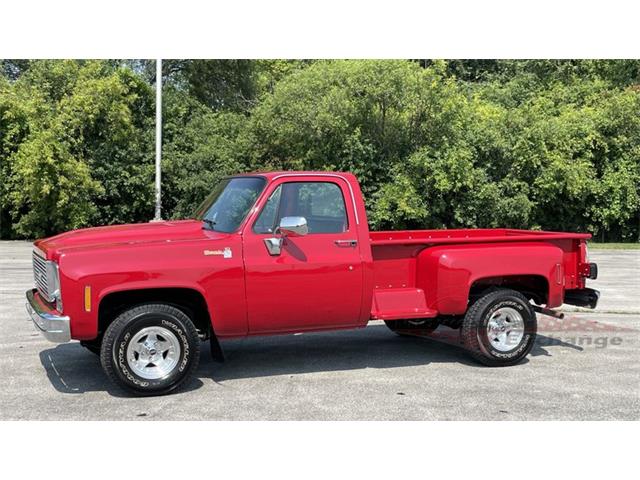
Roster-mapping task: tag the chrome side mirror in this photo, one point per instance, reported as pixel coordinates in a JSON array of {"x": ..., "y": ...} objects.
[
  {"x": 289, "y": 227},
  {"x": 293, "y": 226}
]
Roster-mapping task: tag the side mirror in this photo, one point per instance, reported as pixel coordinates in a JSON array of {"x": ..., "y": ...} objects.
[
  {"x": 289, "y": 227},
  {"x": 293, "y": 227}
]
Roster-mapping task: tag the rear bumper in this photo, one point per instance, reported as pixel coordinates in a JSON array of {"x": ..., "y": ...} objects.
[
  {"x": 582, "y": 297},
  {"x": 53, "y": 326}
]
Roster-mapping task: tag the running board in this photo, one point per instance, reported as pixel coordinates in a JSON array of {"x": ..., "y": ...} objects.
[{"x": 400, "y": 304}]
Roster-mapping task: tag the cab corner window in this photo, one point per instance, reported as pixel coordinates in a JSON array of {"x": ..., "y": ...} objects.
[{"x": 321, "y": 203}]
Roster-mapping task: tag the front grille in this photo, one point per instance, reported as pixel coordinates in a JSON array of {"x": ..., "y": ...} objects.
[{"x": 40, "y": 274}]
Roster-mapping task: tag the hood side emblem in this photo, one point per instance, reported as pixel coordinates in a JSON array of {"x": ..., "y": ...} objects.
[{"x": 226, "y": 253}]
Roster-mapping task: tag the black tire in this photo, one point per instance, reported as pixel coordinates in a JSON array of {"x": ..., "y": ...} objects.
[
  {"x": 94, "y": 346},
  {"x": 123, "y": 330},
  {"x": 413, "y": 327},
  {"x": 474, "y": 333}
]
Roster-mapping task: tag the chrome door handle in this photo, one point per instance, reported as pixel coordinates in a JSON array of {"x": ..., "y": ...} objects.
[{"x": 346, "y": 243}]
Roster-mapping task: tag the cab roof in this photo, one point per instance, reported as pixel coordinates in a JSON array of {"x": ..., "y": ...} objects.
[{"x": 270, "y": 175}]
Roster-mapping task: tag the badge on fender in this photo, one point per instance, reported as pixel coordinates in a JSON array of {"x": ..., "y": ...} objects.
[{"x": 226, "y": 253}]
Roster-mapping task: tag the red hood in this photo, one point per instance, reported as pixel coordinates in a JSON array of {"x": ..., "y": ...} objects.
[{"x": 124, "y": 234}]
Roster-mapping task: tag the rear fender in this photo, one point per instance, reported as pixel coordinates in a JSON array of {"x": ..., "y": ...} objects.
[{"x": 447, "y": 273}]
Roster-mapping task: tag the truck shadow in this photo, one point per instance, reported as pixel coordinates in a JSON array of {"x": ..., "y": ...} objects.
[
  {"x": 73, "y": 370},
  {"x": 373, "y": 347}
]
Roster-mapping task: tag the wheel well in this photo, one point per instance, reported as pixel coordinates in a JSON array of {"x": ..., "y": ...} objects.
[
  {"x": 534, "y": 287},
  {"x": 190, "y": 301}
]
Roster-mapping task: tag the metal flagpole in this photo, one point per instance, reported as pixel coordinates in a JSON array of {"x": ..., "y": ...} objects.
[{"x": 158, "y": 215}]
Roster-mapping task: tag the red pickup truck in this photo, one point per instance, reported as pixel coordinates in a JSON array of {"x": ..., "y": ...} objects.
[{"x": 283, "y": 252}]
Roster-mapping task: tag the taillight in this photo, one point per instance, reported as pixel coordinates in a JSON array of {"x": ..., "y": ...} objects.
[
  {"x": 584, "y": 252},
  {"x": 589, "y": 270},
  {"x": 586, "y": 269}
]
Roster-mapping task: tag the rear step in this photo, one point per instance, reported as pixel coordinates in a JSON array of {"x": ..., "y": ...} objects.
[{"x": 400, "y": 303}]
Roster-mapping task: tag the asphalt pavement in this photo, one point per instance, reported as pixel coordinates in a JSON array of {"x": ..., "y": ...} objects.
[{"x": 585, "y": 367}]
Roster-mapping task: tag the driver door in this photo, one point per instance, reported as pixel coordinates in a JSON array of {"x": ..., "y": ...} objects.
[{"x": 316, "y": 280}]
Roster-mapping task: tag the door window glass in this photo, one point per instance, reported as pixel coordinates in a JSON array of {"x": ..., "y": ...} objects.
[{"x": 320, "y": 203}]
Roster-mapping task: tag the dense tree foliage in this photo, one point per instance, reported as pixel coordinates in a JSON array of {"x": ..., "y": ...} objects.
[
  {"x": 76, "y": 143},
  {"x": 437, "y": 144}
]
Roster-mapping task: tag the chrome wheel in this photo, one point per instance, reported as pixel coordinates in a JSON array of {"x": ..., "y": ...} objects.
[
  {"x": 505, "y": 329},
  {"x": 153, "y": 353}
]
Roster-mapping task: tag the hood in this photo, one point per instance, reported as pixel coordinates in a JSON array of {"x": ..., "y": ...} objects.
[{"x": 125, "y": 234}]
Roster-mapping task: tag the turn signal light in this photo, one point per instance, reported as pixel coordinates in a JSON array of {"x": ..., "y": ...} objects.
[{"x": 87, "y": 298}]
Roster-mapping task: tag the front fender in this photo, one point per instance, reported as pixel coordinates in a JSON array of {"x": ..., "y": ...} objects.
[{"x": 219, "y": 279}]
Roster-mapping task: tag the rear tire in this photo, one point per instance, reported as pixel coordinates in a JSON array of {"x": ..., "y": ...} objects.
[
  {"x": 150, "y": 349},
  {"x": 499, "y": 329},
  {"x": 413, "y": 327}
]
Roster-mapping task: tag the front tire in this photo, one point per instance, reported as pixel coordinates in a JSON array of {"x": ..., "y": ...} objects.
[
  {"x": 150, "y": 349},
  {"x": 499, "y": 329}
]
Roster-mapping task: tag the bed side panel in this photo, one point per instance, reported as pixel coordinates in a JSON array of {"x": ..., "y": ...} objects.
[{"x": 394, "y": 266}]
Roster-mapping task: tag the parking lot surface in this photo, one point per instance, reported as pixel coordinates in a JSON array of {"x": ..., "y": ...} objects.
[{"x": 586, "y": 367}]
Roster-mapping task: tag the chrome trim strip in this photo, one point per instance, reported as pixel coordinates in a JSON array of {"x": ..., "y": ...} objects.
[
  {"x": 333, "y": 175},
  {"x": 55, "y": 328}
]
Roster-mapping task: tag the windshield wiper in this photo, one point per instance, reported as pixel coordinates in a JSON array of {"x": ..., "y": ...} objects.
[{"x": 211, "y": 223}]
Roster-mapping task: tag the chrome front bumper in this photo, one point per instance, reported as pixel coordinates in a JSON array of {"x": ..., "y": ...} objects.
[{"x": 54, "y": 327}]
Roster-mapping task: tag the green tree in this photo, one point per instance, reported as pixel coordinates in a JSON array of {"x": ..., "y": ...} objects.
[
  {"x": 85, "y": 152},
  {"x": 551, "y": 144}
]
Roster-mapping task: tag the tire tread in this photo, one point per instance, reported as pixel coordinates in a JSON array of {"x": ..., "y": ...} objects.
[
  {"x": 469, "y": 331},
  {"x": 122, "y": 321}
]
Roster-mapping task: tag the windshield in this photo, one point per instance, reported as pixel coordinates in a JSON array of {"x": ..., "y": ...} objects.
[{"x": 227, "y": 206}]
